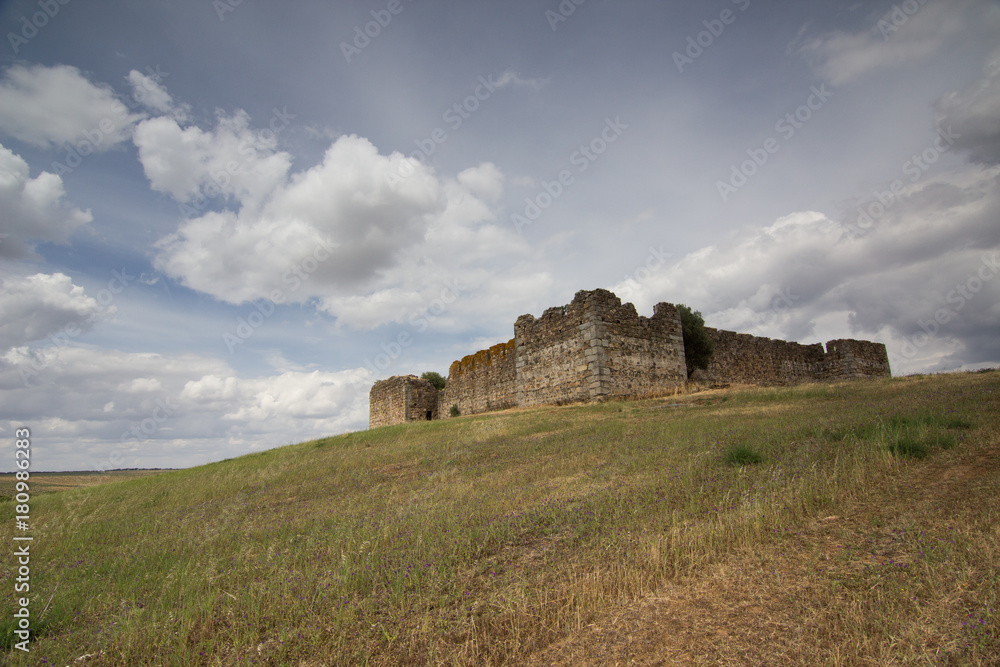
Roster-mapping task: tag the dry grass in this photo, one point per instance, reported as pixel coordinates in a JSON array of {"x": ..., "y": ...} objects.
[{"x": 600, "y": 534}]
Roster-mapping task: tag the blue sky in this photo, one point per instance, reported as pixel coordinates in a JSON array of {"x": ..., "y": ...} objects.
[{"x": 222, "y": 221}]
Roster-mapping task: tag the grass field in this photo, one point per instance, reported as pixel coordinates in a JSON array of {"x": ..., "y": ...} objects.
[
  {"x": 852, "y": 524},
  {"x": 50, "y": 482}
]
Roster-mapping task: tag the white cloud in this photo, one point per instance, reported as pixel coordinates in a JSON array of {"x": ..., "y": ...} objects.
[
  {"x": 92, "y": 409},
  {"x": 805, "y": 278},
  {"x": 484, "y": 181},
  {"x": 38, "y": 306},
  {"x": 32, "y": 209},
  {"x": 58, "y": 106},
  {"x": 372, "y": 238},
  {"x": 147, "y": 91},
  {"x": 894, "y": 39},
  {"x": 191, "y": 164},
  {"x": 511, "y": 78}
]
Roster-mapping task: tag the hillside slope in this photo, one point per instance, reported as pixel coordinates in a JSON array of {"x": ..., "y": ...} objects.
[{"x": 855, "y": 523}]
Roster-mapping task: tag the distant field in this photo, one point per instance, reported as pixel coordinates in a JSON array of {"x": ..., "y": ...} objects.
[
  {"x": 48, "y": 482},
  {"x": 848, "y": 524}
]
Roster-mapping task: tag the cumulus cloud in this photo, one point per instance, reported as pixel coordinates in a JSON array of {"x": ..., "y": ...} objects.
[
  {"x": 148, "y": 91},
  {"x": 58, "y": 106},
  {"x": 191, "y": 164},
  {"x": 923, "y": 279},
  {"x": 38, "y": 306},
  {"x": 895, "y": 38},
  {"x": 370, "y": 238},
  {"x": 32, "y": 209},
  {"x": 99, "y": 409}
]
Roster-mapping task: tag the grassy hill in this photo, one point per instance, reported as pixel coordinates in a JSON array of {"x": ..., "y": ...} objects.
[{"x": 852, "y": 523}]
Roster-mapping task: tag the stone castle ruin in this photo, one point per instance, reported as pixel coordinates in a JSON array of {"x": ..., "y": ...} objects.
[{"x": 597, "y": 348}]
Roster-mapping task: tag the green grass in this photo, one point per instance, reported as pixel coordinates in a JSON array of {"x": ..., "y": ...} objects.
[
  {"x": 741, "y": 455},
  {"x": 472, "y": 541}
]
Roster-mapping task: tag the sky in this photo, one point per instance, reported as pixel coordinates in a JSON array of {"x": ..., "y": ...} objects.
[{"x": 222, "y": 220}]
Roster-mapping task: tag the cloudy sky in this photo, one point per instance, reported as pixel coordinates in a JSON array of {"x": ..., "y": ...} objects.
[{"x": 222, "y": 220}]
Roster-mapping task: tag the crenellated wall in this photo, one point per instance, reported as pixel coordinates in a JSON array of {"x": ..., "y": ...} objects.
[
  {"x": 555, "y": 363},
  {"x": 481, "y": 382},
  {"x": 745, "y": 359},
  {"x": 596, "y": 347}
]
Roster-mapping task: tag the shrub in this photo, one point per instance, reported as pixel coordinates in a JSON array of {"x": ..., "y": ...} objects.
[
  {"x": 434, "y": 378},
  {"x": 455, "y": 412},
  {"x": 742, "y": 455},
  {"x": 698, "y": 347}
]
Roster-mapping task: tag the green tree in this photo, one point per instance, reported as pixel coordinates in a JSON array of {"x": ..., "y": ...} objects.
[
  {"x": 698, "y": 347},
  {"x": 434, "y": 378}
]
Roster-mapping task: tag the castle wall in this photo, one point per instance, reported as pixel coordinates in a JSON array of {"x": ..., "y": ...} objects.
[
  {"x": 640, "y": 355},
  {"x": 555, "y": 363},
  {"x": 597, "y": 348},
  {"x": 849, "y": 359},
  {"x": 745, "y": 359},
  {"x": 481, "y": 382},
  {"x": 400, "y": 399}
]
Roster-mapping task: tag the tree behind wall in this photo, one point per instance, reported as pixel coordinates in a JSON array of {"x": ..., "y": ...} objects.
[
  {"x": 698, "y": 347},
  {"x": 434, "y": 378}
]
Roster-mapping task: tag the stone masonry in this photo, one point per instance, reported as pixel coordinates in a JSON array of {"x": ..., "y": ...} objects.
[{"x": 597, "y": 348}]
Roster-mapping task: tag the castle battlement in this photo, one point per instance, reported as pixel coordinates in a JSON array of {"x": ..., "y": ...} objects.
[{"x": 597, "y": 348}]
